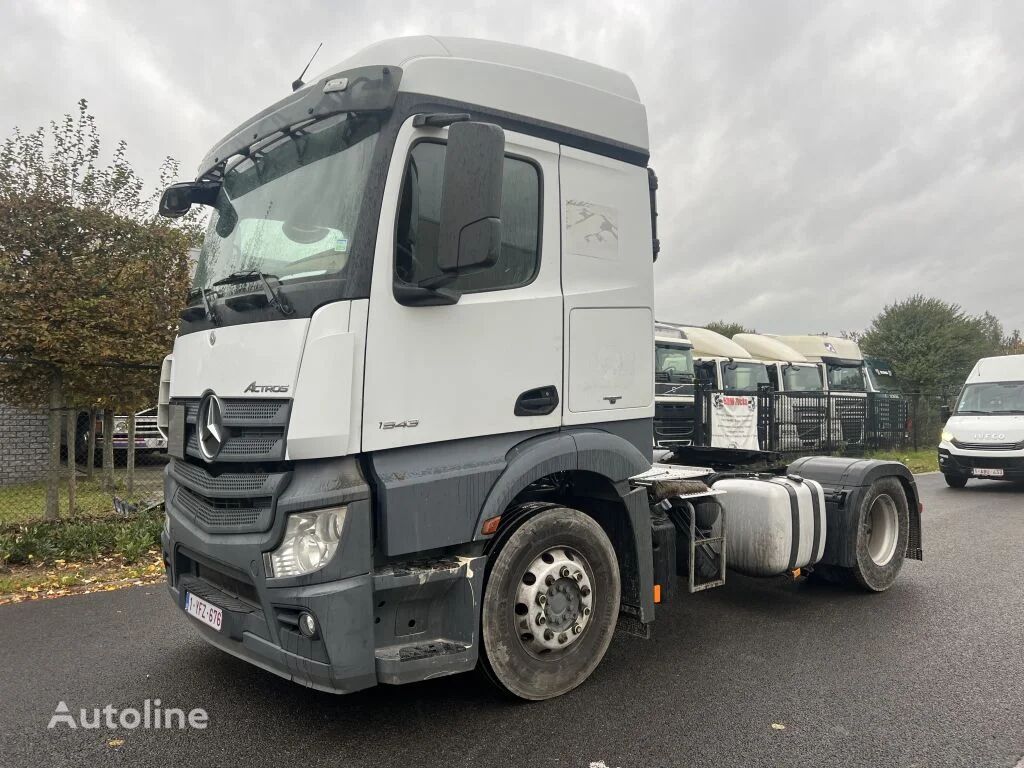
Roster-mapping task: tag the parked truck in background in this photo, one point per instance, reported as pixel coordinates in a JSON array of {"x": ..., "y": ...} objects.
[
  {"x": 801, "y": 412},
  {"x": 410, "y": 406},
  {"x": 675, "y": 417},
  {"x": 984, "y": 433}
]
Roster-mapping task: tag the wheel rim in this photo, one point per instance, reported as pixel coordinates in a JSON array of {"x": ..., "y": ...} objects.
[
  {"x": 881, "y": 526},
  {"x": 554, "y": 601}
]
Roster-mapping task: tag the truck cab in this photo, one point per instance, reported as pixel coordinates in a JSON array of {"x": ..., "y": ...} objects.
[
  {"x": 409, "y": 407},
  {"x": 984, "y": 433},
  {"x": 801, "y": 411},
  {"x": 674, "y": 411}
]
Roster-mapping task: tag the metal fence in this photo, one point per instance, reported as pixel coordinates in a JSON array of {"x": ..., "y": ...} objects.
[
  {"x": 828, "y": 422},
  {"x": 82, "y": 470}
]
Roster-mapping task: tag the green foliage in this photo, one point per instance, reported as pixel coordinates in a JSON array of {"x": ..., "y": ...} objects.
[
  {"x": 91, "y": 280},
  {"x": 80, "y": 538},
  {"x": 728, "y": 329},
  {"x": 931, "y": 343}
]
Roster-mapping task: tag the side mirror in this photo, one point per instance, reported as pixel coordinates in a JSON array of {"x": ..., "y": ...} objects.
[
  {"x": 178, "y": 199},
  {"x": 945, "y": 412},
  {"x": 469, "y": 235}
]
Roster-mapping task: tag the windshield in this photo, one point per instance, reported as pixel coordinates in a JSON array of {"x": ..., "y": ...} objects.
[
  {"x": 743, "y": 376},
  {"x": 673, "y": 370},
  {"x": 881, "y": 377},
  {"x": 291, "y": 210},
  {"x": 992, "y": 397},
  {"x": 844, "y": 377},
  {"x": 801, "y": 378}
]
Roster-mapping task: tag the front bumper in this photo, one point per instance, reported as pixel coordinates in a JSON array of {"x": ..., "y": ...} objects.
[
  {"x": 223, "y": 564},
  {"x": 954, "y": 461}
]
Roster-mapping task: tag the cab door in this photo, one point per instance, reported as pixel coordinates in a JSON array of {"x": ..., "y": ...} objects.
[{"x": 491, "y": 363}]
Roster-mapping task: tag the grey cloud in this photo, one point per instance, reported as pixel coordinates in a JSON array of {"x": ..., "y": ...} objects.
[{"x": 817, "y": 159}]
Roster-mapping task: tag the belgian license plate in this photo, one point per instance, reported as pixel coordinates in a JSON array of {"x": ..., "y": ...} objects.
[
  {"x": 979, "y": 472},
  {"x": 207, "y": 613}
]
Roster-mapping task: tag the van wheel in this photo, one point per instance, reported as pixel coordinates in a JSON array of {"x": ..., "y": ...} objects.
[
  {"x": 551, "y": 601},
  {"x": 955, "y": 481}
]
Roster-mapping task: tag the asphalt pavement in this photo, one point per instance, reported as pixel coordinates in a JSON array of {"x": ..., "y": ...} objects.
[{"x": 930, "y": 673}]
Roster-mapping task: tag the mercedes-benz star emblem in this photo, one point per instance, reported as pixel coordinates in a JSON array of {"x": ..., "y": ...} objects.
[{"x": 210, "y": 426}]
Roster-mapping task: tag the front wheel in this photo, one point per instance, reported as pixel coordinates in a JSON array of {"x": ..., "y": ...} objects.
[
  {"x": 955, "y": 481},
  {"x": 551, "y": 602}
]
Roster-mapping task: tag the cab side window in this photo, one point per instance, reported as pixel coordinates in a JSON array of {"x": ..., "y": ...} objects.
[{"x": 419, "y": 215}]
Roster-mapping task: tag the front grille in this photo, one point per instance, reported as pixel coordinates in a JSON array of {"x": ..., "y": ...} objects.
[
  {"x": 237, "y": 515},
  {"x": 990, "y": 446},
  {"x": 228, "y": 483},
  {"x": 255, "y": 429},
  {"x": 674, "y": 422}
]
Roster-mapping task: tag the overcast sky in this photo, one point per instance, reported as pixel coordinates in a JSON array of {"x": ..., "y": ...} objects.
[{"x": 817, "y": 159}]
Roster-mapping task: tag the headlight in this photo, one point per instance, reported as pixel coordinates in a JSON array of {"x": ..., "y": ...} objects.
[
  {"x": 310, "y": 541},
  {"x": 947, "y": 436},
  {"x": 120, "y": 425}
]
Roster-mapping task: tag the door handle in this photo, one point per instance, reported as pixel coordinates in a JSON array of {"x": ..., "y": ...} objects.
[{"x": 537, "y": 402}]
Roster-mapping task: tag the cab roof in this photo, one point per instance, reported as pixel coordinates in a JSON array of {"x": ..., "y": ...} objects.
[
  {"x": 545, "y": 86},
  {"x": 818, "y": 348},
  {"x": 768, "y": 348},
  {"x": 711, "y": 344}
]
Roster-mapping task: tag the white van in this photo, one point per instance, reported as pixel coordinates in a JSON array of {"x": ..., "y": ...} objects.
[{"x": 984, "y": 434}]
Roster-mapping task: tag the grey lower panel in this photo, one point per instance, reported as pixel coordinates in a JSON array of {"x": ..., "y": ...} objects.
[
  {"x": 436, "y": 495},
  {"x": 429, "y": 496}
]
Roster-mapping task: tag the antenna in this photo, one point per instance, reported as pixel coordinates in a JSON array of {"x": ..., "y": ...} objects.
[{"x": 296, "y": 84}]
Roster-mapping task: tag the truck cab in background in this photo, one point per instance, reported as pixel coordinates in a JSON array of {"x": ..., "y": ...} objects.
[
  {"x": 674, "y": 410},
  {"x": 801, "y": 415},
  {"x": 984, "y": 434}
]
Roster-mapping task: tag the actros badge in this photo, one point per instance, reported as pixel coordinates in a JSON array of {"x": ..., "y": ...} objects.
[{"x": 254, "y": 387}]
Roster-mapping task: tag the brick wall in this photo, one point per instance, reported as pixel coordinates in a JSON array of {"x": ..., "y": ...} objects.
[{"x": 24, "y": 444}]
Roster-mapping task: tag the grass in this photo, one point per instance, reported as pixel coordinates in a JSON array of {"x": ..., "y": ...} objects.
[
  {"x": 25, "y": 502},
  {"x": 923, "y": 460}
]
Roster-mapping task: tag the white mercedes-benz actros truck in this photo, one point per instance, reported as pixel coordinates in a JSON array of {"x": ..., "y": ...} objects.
[{"x": 410, "y": 402}]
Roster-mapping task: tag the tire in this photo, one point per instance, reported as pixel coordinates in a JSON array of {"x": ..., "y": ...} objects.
[
  {"x": 878, "y": 561},
  {"x": 955, "y": 481},
  {"x": 516, "y": 654}
]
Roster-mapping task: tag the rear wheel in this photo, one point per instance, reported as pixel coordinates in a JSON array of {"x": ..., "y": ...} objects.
[
  {"x": 550, "y": 605},
  {"x": 883, "y": 526},
  {"x": 955, "y": 481}
]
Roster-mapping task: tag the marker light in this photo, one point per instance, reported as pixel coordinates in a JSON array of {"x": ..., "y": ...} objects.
[{"x": 310, "y": 541}]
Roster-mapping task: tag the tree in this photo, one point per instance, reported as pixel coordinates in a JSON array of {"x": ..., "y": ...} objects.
[
  {"x": 728, "y": 329},
  {"x": 931, "y": 344},
  {"x": 1013, "y": 343},
  {"x": 91, "y": 280}
]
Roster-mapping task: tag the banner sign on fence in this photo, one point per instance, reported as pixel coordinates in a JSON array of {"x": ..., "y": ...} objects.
[{"x": 734, "y": 421}]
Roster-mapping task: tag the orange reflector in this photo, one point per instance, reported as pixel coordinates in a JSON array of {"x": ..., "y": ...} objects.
[
  {"x": 795, "y": 573},
  {"x": 657, "y": 593},
  {"x": 490, "y": 525}
]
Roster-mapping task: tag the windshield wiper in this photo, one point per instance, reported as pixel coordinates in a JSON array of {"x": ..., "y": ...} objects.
[
  {"x": 189, "y": 314},
  {"x": 275, "y": 298}
]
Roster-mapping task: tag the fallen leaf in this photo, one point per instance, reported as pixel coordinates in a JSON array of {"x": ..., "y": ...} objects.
[
  {"x": 778, "y": 727},
  {"x": 115, "y": 742}
]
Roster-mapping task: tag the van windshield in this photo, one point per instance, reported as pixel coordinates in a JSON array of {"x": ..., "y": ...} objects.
[
  {"x": 743, "y": 376},
  {"x": 801, "y": 378},
  {"x": 992, "y": 397}
]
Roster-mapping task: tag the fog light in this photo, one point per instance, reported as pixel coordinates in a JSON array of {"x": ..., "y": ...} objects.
[{"x": 307, "y": 625}]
